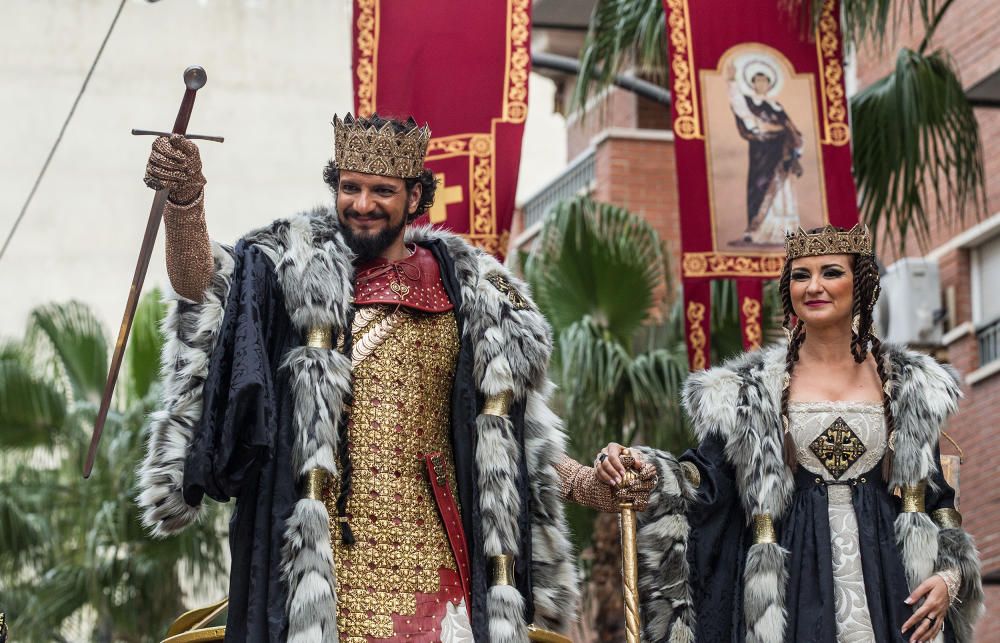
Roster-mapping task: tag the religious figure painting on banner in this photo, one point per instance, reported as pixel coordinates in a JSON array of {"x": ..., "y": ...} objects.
[{"x": 765, "y": 172}]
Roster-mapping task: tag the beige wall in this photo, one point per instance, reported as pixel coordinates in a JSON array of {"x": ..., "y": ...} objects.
[{"x": 277, "y": 72}]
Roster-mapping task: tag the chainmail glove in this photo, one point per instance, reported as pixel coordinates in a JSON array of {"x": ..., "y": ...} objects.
[
  {"x": 581, "y": 485},
  {"x": 175, "y": 165}
]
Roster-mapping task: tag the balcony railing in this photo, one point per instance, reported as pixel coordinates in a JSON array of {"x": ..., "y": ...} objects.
[
  {"x": 989, "y": 342},
  {"x": 576, "y": 179}
]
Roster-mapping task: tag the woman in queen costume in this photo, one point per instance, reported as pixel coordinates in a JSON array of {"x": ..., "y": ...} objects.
[{"x": 813, "y": 508}]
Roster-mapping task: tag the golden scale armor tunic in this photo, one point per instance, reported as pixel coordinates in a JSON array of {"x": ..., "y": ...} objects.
[{"x": 404, "y": 366}]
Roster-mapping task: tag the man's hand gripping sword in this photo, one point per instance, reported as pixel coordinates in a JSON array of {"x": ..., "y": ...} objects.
[{"x": 194, "y": 79}]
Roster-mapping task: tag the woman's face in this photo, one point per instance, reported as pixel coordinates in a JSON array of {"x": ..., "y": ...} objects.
[
  {"x": 822, "y": 289},
  {"x": 761, "y": 84}
]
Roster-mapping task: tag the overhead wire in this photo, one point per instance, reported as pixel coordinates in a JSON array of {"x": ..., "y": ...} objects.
[{"x": 62, "y": 131}]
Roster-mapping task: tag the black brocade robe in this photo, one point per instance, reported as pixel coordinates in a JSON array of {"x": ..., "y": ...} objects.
[
  {"x": 702, "y": 576},
  {"x": 244, "y": 441},
  {"x": 720, "y": 537}
]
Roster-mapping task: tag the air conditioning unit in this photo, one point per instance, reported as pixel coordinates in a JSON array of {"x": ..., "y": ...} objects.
[{"x": 909, "y": 310}]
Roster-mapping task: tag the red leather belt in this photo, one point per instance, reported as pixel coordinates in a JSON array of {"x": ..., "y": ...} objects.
[{"x": 448, "y": 508}]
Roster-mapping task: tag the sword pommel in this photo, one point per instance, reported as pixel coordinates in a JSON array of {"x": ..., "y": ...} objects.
[{"x": 195, "y": 77}]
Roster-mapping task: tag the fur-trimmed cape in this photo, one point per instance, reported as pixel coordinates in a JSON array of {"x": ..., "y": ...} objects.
[
  {"x": 300, "y": 268},
  {"x": 735, "y": 412}
]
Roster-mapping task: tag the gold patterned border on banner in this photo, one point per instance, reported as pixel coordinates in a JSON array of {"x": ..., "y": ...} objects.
[
  {"x": 515, "y": 91},
  {"x": 836, "y": 130},
  {"x": 696, "y": 335},
  {"x": 481, "y": 152},
  {"x": 367, "y": 64},
  {"x": 712, "y": 264},
  {"x": 751, "y": 322},
  {"x": 687, "y": 124}
]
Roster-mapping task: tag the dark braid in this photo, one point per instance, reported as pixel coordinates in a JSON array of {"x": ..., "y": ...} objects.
[
  {"x": 890, "y": 421},
  {"x": 343, "y": 450},
  {"x": 866, "y": 291},
  {"x": 797, "y": 335}
]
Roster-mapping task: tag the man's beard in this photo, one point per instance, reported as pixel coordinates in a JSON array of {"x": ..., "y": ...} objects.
[{"x": 368, "y": 246}]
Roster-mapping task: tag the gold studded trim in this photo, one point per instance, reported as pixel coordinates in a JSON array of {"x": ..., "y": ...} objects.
[
  {"x": 498, "y": 404},
  {"x": 502, "y": 570},
  {"x": 315, "y": 482},
  {"x": 320, "y": 337},
  {"x": 763, "y": 529},
  {"x": 691, "y": 473},
  {"x": 913, "y": 497},
  {"x": 516, "y": 299},
  {"x": 947, "y": 518}
]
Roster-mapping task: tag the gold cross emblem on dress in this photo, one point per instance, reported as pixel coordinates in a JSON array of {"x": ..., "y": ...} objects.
[
  {"x": 446, "y": 195},
  {"x": 838, "y": 447}
]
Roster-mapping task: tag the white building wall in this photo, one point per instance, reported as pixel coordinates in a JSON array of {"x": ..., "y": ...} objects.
[{"x": 277, "y": 72}]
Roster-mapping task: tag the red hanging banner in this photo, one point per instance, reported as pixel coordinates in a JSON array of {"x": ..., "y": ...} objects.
[
  {"x": 761, "y": 134},
  {"x": 463, "y": 68}
]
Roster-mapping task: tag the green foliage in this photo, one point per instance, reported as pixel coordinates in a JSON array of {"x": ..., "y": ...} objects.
[
  {"x": 594, "y": 273},
  {"x": 917, "y": 152},
  {"x": 74, "y": 551}
]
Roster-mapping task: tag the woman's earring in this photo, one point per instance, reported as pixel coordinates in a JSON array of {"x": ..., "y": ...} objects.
[{"x": 856, "y": 324}]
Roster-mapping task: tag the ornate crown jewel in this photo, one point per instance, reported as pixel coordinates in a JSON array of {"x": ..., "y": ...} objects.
[
  {"x": 828, "y": 241},
  {"x": 360, "y": 147}
]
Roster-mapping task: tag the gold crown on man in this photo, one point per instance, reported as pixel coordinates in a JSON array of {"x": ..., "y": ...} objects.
[
  {"x": 359, "y": 146},
  {"x": 828, "y": 241}
]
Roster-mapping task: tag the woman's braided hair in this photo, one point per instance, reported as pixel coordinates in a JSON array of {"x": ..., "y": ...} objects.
[{"x": 863, "y": 340}]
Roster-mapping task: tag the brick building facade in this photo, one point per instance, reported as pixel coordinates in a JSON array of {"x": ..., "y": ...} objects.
[{"x": 626, "y": 143}]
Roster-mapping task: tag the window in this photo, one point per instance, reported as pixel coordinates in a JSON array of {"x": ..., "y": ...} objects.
[{"x": 986, "y": 298}]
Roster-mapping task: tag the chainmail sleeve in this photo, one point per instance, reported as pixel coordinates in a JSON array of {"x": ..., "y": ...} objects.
[{"x": 189, "y": 252}]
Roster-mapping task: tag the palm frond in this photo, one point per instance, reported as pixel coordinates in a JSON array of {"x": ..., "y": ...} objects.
[
  {"x": 917, "y": 151},
  {"x": 622, "y": 34},
  {"x": 595, "y": 260},
  {"x": 32, "y": 410},
  {"x": 142, "y": 358},
  {"x": 72, "y": 336}
]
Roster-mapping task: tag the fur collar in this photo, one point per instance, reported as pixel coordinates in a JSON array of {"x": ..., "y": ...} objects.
[
  {"x": 740, "y": 402},
  {"x": 314, "y": 269}
]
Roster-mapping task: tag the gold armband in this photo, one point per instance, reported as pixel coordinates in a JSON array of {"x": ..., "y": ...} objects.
[
  {"x": 320, "y": 337},
  {"x": 315, "y": 481},
  {"x": 913, "y": 497},
  {"x": 763, "y": 529},
  {"x": 502, "y": 570},
  {"x": 498, "y": 404},
  {"x": 691, "y": 473},
  {"x": 947, "y": 518}
]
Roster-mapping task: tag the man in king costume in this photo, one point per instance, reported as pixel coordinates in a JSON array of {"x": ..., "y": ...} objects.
[{"x": 374, "y": 398}]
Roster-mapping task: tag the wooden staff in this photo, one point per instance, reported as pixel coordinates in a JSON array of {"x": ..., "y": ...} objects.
[{"x": 630, "y": 561}]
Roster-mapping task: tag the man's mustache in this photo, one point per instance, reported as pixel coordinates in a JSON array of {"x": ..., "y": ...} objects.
[{"x": 376, "y": 214}]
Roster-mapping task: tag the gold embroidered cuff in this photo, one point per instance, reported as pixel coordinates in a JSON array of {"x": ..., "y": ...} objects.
[
  {"x": 947, "y": 518},
  {"x": 691, "y": 473},
  {"x": 315, "y": 481},
  {"x": 763, "y": 529},
  {"x": 502, "y": 569},
  {"x": 498, "y": 404},
  {"x": 913, "y": 497},
  {"x": 320, "y": 337}
]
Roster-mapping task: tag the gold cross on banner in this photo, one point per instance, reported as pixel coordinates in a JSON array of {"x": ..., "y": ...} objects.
[{"x": 446, "y": 195}]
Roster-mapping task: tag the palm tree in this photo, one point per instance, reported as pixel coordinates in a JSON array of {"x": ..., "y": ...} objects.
[
  {"x": 916, "y": 142},
  {"x": 73, "y": 554},
  {"x": 595, "y": 274}
]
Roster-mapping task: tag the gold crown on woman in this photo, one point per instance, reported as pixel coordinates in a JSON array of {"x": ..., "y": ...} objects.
[
  {"x": 360, "y": 146},
  {"x": 828, "y": 241}
]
